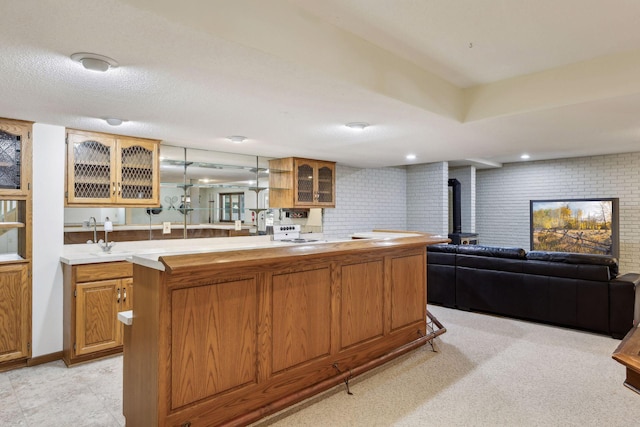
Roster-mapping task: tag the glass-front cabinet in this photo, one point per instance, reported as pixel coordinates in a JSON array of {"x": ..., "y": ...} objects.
[
  {"x": 105, "y": 169},
  {"x": 314, "y": 183},
  {"x": 15, "y": 241},
  {"x": 15, "y": 139},
  {"x": 302, "y": 183}
]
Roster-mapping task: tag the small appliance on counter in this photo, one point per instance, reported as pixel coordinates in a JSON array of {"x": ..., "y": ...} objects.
[{"x": 289, "y": 233}]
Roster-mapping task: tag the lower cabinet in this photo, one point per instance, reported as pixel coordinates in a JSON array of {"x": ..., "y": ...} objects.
[
  {"x": 225, "y": 343},
  {"x": 15, "y": 312},
  {"x": 94, "y": 294}
]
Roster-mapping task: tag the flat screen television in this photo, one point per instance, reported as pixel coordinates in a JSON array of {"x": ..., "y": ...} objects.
[{"x": 575, "y": 225}]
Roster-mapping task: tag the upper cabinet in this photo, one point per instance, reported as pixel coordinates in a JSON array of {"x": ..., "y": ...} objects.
[
  {"x": 15, "y": 146},
  {"x": 15, "y": 242},
  {"x": 107, "y": 170},
  {"x": 301, "y": 183}
]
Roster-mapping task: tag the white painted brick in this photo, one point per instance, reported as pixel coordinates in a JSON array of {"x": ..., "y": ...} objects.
[
  {"x": 416, "y": 198},
  {"x": 503, "y": 194},
  {"x": 367, "y": 199}
]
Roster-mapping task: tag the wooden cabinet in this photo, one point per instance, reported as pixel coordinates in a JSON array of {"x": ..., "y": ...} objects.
[
  {"x": 301, "y": 183},
  {"x": 94, "y": 294},
  {"x": 15, "y": 157},
  {"x": 224, "y": 338},
  {"x": 105, "y": 169},
  {"x": 15, "y": 312},
  {"x": 15, "y": 242}
]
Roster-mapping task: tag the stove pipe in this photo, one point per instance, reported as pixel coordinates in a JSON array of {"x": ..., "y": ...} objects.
[{"x": 457, "y": 209}]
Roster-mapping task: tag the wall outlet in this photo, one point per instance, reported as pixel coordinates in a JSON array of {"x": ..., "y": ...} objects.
[
  {"x": 166, "y": 227},
  {"x": 238, "y": 224}
]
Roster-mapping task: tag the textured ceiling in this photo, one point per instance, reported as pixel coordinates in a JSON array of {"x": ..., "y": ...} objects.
[{"x": 481, "y": 80}]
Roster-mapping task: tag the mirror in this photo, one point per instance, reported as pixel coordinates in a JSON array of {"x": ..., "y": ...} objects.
[
  {"x": 206, "y": 187},
  {"x": 201, "y": 188}
]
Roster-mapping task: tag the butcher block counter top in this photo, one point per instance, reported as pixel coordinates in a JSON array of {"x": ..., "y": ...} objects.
[{"x": 227, "y": 337}]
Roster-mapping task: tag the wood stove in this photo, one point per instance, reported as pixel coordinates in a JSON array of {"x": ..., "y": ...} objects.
[{"x": 457, "y": 236}]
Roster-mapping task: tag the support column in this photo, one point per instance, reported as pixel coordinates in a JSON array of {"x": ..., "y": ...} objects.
[{"x": 427, "y": 198}]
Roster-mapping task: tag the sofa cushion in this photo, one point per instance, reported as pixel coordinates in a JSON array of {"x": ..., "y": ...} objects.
[
  {"x": 441, "y": 284},
  {"x": 569, "y": 258},
  {"x": 597, "y": 273},
  {"x": 492, "y": 251},
  {"x": 443, "y": 247},
  {"x": 483, "y": 263}
]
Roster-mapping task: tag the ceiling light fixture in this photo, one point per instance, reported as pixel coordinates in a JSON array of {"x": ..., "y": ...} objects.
[
  {"x": 94, "y": 62},
  {"x": 411, "y": 157},
  {"x": 114, "y": 121},
  {"x": 357, "y": 125},
  {"x": 237, "y": 139},
  {"x": 525, "y": 156}
]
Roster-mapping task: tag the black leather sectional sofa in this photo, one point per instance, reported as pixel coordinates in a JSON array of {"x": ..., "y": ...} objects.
[{"x": 574, "y": 290}]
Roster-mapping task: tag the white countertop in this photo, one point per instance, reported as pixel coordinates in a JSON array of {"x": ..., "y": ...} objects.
[
  {"x": 147, "y": 252},
  {"x": 380, "y": 235}
]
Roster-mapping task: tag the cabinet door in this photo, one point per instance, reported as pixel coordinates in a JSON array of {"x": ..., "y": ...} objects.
[
  {"x": 314, "y": 184},
  {"x": 137, "y": 181},
  {"x": 325, "y": 184},
  {"x": 97, "y": 326},
  {"x": 90, "y": 176},
  {"x": 15, "y": 165},
  {"x": 15, "y": 305},
  {"x": 305, "y": 182}
]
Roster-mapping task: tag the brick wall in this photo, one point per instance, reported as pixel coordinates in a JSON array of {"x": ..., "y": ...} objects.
[
  {"x": 503, "y": 195},
  {"x": 367, "y": 199},
  {"x": 427, "y": 198}
]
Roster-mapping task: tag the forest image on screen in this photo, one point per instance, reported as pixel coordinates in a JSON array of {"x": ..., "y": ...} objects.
[{"x": 578, "y": 226}]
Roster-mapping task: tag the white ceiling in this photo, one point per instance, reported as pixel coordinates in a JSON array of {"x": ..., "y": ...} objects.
[{"x": 446, "y": 80}]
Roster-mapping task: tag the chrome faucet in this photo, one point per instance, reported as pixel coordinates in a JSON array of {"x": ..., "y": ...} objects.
[{"x": 95, "y": 228}]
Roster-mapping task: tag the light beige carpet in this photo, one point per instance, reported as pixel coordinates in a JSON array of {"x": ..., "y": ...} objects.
[{"x": 488, "y": 371}]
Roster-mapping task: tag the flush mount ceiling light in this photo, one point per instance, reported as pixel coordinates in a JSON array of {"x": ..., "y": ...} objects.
[
  {"x": 114, "y": 121},
  {"x": 411, "y": 157},
  {"x": 357, "y": 125},
  {"x": 237, "y": 139},
  {"x": 94, "y": 62},
  {"x": 525, "y": 156}
]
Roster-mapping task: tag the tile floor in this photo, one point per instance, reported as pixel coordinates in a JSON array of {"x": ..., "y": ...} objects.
[{"x": 52, "y": 395}]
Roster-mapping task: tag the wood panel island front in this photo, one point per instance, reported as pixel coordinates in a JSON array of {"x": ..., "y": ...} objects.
[{"x": 225, "y": 338}]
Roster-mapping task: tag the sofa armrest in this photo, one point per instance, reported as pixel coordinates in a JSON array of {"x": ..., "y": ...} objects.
[{"x": 624, "y": 304}]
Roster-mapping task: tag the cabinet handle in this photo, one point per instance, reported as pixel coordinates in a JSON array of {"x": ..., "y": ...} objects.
[
  {"x": 118, "y": 294},
  {"x": 113, "y": 186},
  {"x": 119, "y": 188},
  {"x": 124, "y": 292}
]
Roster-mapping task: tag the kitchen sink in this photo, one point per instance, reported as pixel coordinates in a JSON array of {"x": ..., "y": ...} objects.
[{"x": 112, "y": 253}]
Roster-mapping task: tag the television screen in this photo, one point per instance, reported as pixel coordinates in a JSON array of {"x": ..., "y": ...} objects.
[{"x": 575, "y": 225}]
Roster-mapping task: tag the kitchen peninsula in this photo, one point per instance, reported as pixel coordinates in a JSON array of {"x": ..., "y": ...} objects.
[{"x": 229, "y": 336}]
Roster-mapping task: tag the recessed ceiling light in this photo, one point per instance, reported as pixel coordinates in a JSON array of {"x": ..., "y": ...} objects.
[
  {"x": 357, "y": 125},
  {"x": 94, "y": 62},
  {"x": 113, "y": 121},
  {"x": 411, "y": 157},
  {"x": 237, "y": 139},
  {"x": 525, "y": 156}
]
